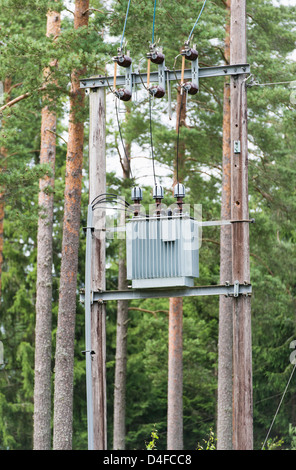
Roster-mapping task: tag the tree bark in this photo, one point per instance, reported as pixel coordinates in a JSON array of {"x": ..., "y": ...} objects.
[
  {"x": 175, "y": 375},
  {"x": 43, "y": 347},
  {"x": 224, "y": 414},
  {"x": 175, "y": 354},
  {"x": 63, "y": 393},
  {"x": 119, "y": 427},
  {"x": 3, "y": 154}
]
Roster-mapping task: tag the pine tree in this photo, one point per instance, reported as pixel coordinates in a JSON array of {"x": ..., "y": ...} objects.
[
  {"x": 64, "y": 365},
  {"x": 43, "y": 331}
]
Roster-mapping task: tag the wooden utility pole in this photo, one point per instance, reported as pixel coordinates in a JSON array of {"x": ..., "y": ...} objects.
[
  {"x": 175, "y": 355},
  {"x": 242, "y": 351},
  {"x": 97, "y": 186},
  {"x": 224, "y": 411}
]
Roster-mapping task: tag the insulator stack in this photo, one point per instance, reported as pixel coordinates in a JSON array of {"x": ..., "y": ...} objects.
[
  {"x": 179, "y": 194},
  {"x": 158, "y": 196},
  {"x": 156, "y": 57},
  {"x": 137, "y": 196},
  {"x": 192, "y": 55},
  {"x": 125, "y": 61}
]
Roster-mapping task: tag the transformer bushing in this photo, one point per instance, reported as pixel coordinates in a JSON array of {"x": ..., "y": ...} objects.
[{"x": 137, "y": 196}]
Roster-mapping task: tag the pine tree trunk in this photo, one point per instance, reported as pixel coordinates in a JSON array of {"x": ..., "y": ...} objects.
[
  {"x": 121, "y": 342},
  {"x": 224, "y": 414},
  {"x": 64, "y": 366},
  {"x": 175, "y": 359},
  {"x": 6, "y": 84},
  {"x": 43, "y": 348}
]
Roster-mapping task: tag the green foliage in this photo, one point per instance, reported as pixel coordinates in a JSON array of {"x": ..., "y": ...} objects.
[
  {"x": 210, "y": 443},
  {"x": 292, "y": 435},
  {"x": 24, "y": 54},
  {"x": 151, "y": 445},
  {"x": 274, "y": 444}
]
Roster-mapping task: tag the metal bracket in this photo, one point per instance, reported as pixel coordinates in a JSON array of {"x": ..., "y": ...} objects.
[
  {"x": 229, "y": 290},
  {"x": 91, "y": 352},
  {"x": 128, "y": 79},
  {"x": 168, "y": 75},
  {"x": 236, "y": 289},
  {"x": 237, "y": 146},
  {"x": 194, "y": 73},
  {"x": 161, "y": 75}
]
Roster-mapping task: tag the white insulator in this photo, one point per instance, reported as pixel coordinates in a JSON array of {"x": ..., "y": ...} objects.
[
  {"x": 137, "y": 194},
  {"x": 179, "y": 190},
  {"x": 158, "y": 192}
]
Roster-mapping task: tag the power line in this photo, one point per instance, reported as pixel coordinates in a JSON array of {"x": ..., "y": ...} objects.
[
  {"x": 280, "y": 403},
  {"x": 151, "y": 140},
  {"x": 197, "y": 20},
  {"x": 177, "y": 157},
  {"x": 269, "y": 84},
  {"x": 153, "y": 21},
  {"x": 119, "y": 128},
  {"x": 127, "y": 10}
]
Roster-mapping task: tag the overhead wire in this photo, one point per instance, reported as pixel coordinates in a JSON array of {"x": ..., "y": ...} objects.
[
  {"x": 106, "y": 197},
  {"x": 269, "y": 84},
  {"x": 278, "y": 408},
  {"x": 178, "y": 136},
  {"x": 153, "y": 23},
  {"x": 150, "y": 101},
  {"x": 127, "y": 10},
  {"x": 189, "y": 37},
  {"x": 151, "y": 139},
  {"x": 122, "y": 143},
  {"x": 110, "y": 198}
]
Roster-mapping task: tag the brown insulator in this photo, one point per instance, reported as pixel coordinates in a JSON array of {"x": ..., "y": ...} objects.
[
  {"x": 123, "y": 94},
  {"x": 156, "y": 57},
  {"x": 191, "y": 88},
  {"x": 124, "y": 60},
  {"x": 191, "y": 54},
  {"x": 157, "y": 91}
]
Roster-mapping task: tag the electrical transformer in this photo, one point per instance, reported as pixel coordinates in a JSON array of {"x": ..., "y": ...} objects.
[{"x": 162, "y": 251}]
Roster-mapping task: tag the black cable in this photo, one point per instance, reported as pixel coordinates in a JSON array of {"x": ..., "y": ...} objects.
[
  {"x": 177, "y": 159},
  {"x": 151, "y": 140},
  {"x": 118, "y": 205},
  {"x": 109, "y": 194},
  {"x": 119, "y": 128}
]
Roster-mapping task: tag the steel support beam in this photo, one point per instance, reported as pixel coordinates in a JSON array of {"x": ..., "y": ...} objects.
[
  {"x": 234, "y": 290},
  {"x": 170, "y": 75}
]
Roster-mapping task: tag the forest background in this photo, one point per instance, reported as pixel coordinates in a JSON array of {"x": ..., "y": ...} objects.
[{"x": 25, "y": 53}]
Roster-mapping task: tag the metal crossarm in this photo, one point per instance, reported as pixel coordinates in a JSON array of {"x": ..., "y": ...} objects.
[
  {"x": 229, "y": 290},
  {"x": 170, "y": 75}
]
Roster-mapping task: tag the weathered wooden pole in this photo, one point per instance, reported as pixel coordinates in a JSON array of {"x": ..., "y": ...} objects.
[
  {"x": 224, "y": 409},
  {"x": 242, "y": 348},
  {"x": 97, "y": 186}
]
